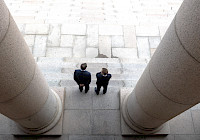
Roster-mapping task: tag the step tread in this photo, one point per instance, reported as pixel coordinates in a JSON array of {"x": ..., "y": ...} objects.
[
  {"x": 72, "y": 83},
  {"x": 70, "y": 76}
]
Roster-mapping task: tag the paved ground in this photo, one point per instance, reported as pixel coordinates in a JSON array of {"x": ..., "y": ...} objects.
[
  {"x": 92, "y": 117},
  {"x": 121, "y": 34},
  {"x": 93, "y": 28}
]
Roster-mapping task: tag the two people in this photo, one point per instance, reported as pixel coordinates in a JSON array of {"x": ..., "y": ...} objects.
[{"x": 83, "y": 79}]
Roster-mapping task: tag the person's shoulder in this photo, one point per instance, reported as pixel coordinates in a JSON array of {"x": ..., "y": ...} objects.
[
  {"x": 109, "y": 75},
  {"x": 88, "y": 72},
  {"x": 77, "y": 70},
  {"x": 98, "y": 73}
]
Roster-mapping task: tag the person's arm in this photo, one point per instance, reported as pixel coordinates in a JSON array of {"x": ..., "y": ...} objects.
[
  {"x": 110, "y": 76},
  {"x": 89, "y": 79},
  {"x": 97, "y": 77},
  {"x": 75, "y": 77}
]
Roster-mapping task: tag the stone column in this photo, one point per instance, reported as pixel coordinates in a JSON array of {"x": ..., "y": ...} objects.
[
  {"x": 24, "y": 94},
  {"x": 171, "y": 82}
]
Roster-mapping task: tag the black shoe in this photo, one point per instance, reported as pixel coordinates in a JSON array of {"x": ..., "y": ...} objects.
[
  {"x": 81, "y": 90},
  {"x": 104, "y": 92},
  {"x": 95, "y": 89},
  {"x": 86, "y": 91}
]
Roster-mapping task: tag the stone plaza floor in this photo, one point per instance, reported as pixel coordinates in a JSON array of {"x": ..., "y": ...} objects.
[
  {"x": 121, "y": 35},
  {"x": 93, "y": 28}
]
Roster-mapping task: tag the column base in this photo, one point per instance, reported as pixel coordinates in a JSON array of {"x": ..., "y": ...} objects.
[
  {"x": 55, "y": 128},
  {"x": 127, "y": 130}
]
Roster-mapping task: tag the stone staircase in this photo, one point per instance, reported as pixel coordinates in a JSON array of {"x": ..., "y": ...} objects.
[
  {"x": 59, "y": 71},
  {"x": 90, "y": 116},
  {"x": 97, "y": 117}
]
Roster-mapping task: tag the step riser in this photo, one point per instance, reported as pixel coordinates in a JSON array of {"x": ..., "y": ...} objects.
[
  {"x": 113, "y": 83},
  {"x": 90, "y": 60},
  {"x": 93, "y": 71},
  {"x": 114, "y": 76}
]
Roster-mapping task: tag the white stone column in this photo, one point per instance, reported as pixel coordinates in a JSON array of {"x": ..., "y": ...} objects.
[
  {"x": 24, "y": 94},
  {"x": 171, "y": 82}
]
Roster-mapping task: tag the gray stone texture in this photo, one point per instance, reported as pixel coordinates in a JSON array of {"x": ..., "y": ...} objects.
[
  {"x": 167, "y": 137},
  {"x": 187, "y": 137},
  {"x": 195, "y": 119},
  {"x": 147, "y": 31},
  {"x": 182, "y": 124},
  {"x": 117, "y": 41},
  {"x": 188, "y": 31},
  {"x": 92, "y": 35},
  {"x": 67, "y": 41},
  {"x": 59, "y": 52},
  {"x": 67, "y": 82},
  {"x": 4, "y": 16},
  {"x": 106, "y": 122},
  {"x": 42, "y": 29},
  {"x": 129, "y": 36},
  {"x": 40, "y": 45},
  {"x": 5, "y": 125},
  {"x": 59, "y": 65},
  {"x": 124, "y": 52},
  {"x": 85, "y": 137},
  {"x": 143, "y": 47},
  {"x": 54, "y": 35},
  {"x": 181, "y": 64},
  {"x": 77, "y": 122},
  {"x": 170, "y": 80},
  {"x": 92, "y": 52},
  {"x": 108, "y": 101},
  {"x": 24, "y": 91},
  {"x": 110, "y": 30},
  {"x": 30, "y": 40},
  {"x": 154, "y": 42},
  {"x": 76, "y": 100},
  {"x": 63, "y": 137},
  {"x": 73, "y": 29},
  {"x": 79, "y": 47},
  {"x": 162, "y": 30},
  {"x": 11, "y": 81},
  {"x": 105, "y": 46}
]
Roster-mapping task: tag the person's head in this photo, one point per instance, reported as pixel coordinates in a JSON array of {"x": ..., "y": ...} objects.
[
  {"x": 83, "y": 66},
  {"x": 104, "y": 71}
]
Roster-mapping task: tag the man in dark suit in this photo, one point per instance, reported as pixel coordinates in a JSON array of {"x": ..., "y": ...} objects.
[
  {"x": 82, "y": 78},
  {"x": 102, "y": 80}
]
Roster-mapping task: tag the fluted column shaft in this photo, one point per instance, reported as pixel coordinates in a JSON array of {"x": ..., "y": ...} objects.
[
  {"x": 171, "y": 82},
  {"x": 24, "y": 94}
]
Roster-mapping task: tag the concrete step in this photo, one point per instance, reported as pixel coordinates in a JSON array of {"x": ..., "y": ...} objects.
[
  {"x": 112, "y": 83},
  {"x": 125, "y": 68},
  {"x": 69, "y": 76},
  {"x": 77, "y": 60},
  {"x": 72, "y": 83},
  {"x": 92, "y": 62},
  {"x": 110, "y": 70},
  {"x": 93, "y": 70},
  {"x": 92, "y": 67}
]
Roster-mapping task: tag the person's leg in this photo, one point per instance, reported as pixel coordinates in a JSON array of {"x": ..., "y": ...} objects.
[
  {"x": 105, "y": 89},
  {"x": 80, "y": 88},
  {"x": 97, "y": 89},
  {"x": 87, "y": 87}
]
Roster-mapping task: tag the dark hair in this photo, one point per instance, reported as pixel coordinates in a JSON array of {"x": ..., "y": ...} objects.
[
  {"x": 104, "y": 71},
  {"x": 83, "y": 66}
]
